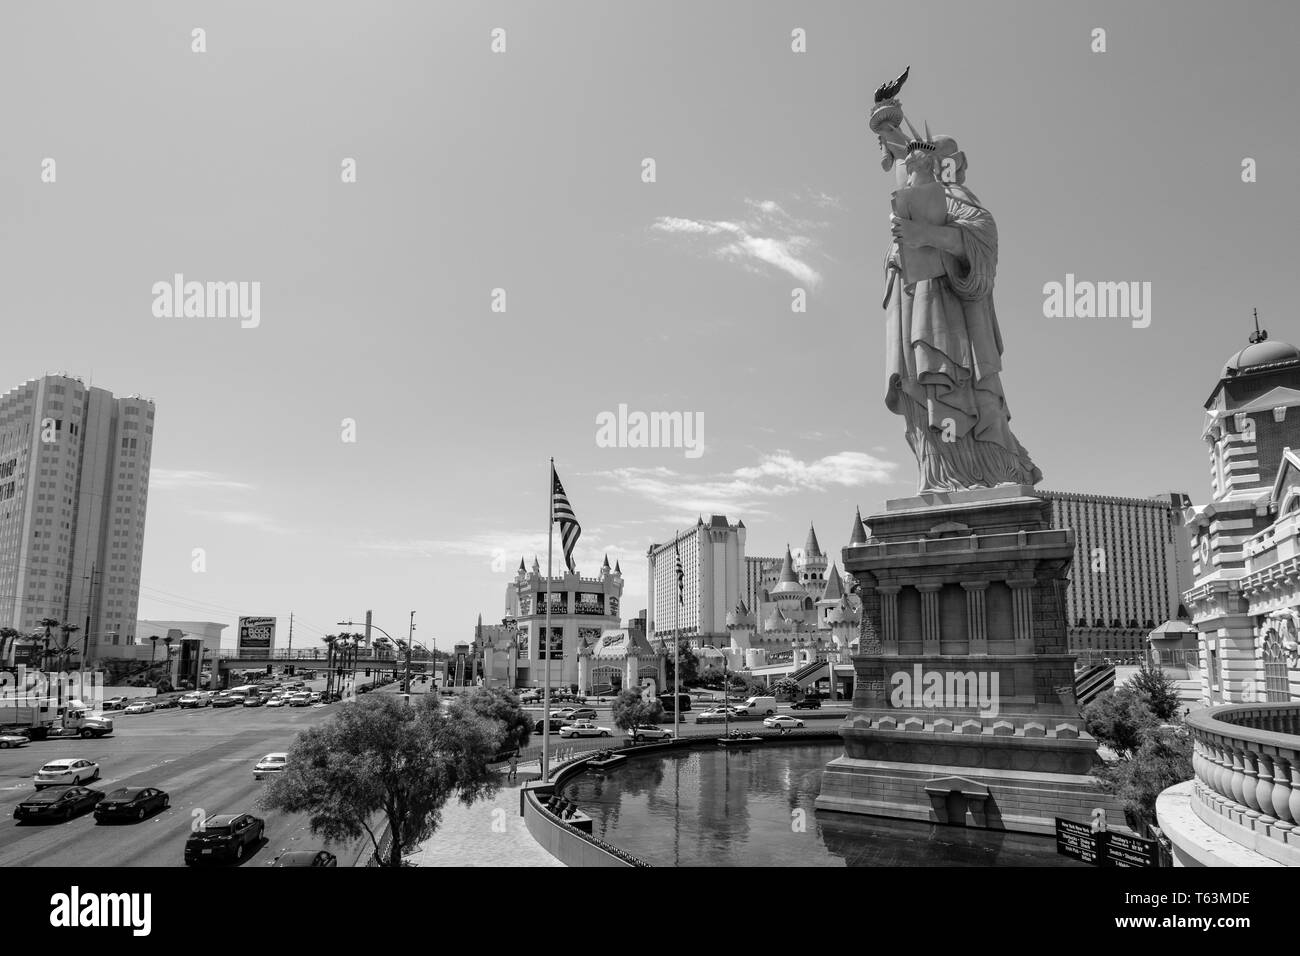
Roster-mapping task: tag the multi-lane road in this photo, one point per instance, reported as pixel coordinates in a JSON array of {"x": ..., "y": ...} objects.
[{"x": 203, "y": 758}]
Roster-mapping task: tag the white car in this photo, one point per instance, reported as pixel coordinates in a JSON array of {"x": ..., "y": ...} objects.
[
  {"x": 651, "y": 733},
  {"x": 140, "y": 707},
  {"x": 12, "y": 740},
  {"x": 68, "y": 770},
  {"x": 275, "y": 702},
  {"x": 315, "y": 697},
  {"x": 782, "y": 720},
  {"x": 270, "y": 765},
  {"x": 585, "y": 728},
  {"x": 719, "y": 713}
]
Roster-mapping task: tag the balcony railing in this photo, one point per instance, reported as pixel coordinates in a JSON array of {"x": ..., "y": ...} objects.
[{"x": 1247, "y": 763}]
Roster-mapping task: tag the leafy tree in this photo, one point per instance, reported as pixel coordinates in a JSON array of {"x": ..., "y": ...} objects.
[
  {"x": 690, "y": 665},
  {"x": 1156, "y": 690},
  {"x": 8, "y": 638},
  {"x": 500, "y": 707},
  {"x": 630, "y": 710},
  {"x": 1163, "y": 758},
  {"x": 381, "y": 755},
  {"x": 1120, "y": 720},
  {"x": 787, "y": 688}
]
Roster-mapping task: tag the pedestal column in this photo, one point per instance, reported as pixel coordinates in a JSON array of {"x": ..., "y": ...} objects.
[
  {"x": 1022, "y": 613},
  {"x": 929, "y": 617},
  {"x": 889, "y": 617},
  {"x": 976, "y": 622}
]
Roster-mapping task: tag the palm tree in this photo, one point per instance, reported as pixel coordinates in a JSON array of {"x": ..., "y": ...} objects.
[
  {"x": 154, "y": 652},
  {"x": 168, "y": 642},
  {"x": 330, "y": 640},
  {"x": 48, "y": 623},
  {"x": 8, "y": 638}
]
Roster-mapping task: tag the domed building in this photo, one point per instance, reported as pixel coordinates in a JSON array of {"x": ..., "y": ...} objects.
[{"x": 1245, "y": 554}]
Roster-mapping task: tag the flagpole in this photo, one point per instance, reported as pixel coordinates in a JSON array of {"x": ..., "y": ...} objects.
[{"x": 546, "y": 639}]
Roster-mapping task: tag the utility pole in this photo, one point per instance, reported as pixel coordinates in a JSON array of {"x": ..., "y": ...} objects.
[
  {"x": 289, "y": 652},
  {"x": 410, "y": 648}
]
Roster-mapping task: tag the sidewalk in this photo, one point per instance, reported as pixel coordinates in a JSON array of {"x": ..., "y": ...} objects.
[{"x": 489, "y": 833}]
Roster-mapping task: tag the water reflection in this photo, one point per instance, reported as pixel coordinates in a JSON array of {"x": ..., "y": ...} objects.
[{"x": 744, "y": 808}]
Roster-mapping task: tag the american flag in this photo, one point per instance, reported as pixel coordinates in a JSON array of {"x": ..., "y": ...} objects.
[
  {"x": 681, "y": 575},
  {"x": 562, "y": 512}
]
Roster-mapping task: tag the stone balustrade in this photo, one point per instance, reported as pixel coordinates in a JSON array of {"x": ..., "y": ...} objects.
[{"x": 1246, "y": 758}]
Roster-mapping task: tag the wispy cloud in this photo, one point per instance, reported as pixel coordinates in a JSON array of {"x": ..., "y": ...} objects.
[
  {"x": 173, "y": 478},
  {"x": 767, "y": 237},
  {"x": 244, "y": 519},
  {"x": 749, "y": 490},
  {"x": 500, "y": 551}
]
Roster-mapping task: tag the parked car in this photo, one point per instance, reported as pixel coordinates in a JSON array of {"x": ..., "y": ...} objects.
[
  {"x": 306, "y": 858},
  {"x": 808, "y": 703},
  {"x": 66, "y": 771},
  {"x": 275, "y": 702},
  {"x": 585, "y": 728},
  {"x": 57, "y": 803},
  {"x": 11, "y": 740},
  {"x": 115, "y": 703},
  {"x": 225, "y": 836},
  {"x": 315, "y": 697},
  {"x": 131, "y": 803},
  {"x": 140, "y": 707},
  {"x": 647, "y": 732},
  {"x": 270, "y": 765},
  {"x": 228, "y": 700},
  {"x": 782, "y": 720}
]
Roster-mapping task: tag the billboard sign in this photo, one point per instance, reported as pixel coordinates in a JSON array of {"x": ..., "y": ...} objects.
[{"x": 256, "y": 636}]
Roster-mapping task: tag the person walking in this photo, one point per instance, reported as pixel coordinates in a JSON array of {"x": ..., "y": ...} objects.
[{"x": 514, "y": 766}]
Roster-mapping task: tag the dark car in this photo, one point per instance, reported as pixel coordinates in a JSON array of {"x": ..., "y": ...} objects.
[
  {"x": 131, "y": 803},
  {"x": 165, "y": 703},
  {"x": 230, "y": 700},
  {"x": 226, "y": 836},
  {"x": 306, "y": 858},
  {"x": 583, "y": 713},
  {"x": 57, "y": 803},
  {"x": 556, "y": 724},
  {"x": 808, "y": 703},
  {"x": 254, "y": 700}
]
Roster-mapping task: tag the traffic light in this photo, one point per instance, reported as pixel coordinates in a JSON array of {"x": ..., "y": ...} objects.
[
  {"x": 269, "y": 670},
  {"x": 289, "y": 670},
  {"x": 367, "y": 671}
]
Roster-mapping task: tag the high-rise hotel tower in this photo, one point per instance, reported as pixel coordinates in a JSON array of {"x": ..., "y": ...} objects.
[{"x": 74, "y": 482}]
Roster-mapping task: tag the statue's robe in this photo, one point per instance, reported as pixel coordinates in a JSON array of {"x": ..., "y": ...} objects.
[{"x": 943, "y": 363}]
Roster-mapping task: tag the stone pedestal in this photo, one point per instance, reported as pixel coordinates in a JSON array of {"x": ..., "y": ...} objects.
[{"x": 964, "y": 709}]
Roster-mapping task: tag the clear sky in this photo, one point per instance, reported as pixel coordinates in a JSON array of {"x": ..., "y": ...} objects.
[{"x": 522, "y": 170}]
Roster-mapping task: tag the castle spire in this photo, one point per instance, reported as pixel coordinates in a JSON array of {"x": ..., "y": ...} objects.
[
  {"x": 858, "y": 535},
  {"x": 810, "y": 547}
]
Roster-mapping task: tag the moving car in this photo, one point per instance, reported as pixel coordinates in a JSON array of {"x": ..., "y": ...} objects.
[
  {"x": 131, "y": 803},
  {"x": 66, "y": 771},
  {"x": 58, "y": 803},
  {"x": 584, "y": 728},
  {"x": 718, "y": 713},
  {"x": 300, "y": 700},
  {"x": 275, "y": 702},
  {"x": 254, "y": 700},
  {"x": 11, "y": 740},
  {"x": 270, "y": 765},
  {"x": 565, "y": 712},
  {"x": 306, "y": 858},
  {"x": 782, "y": 720},
  {"x": 193, "y": 700},
  {"x": 224, "y": 836},
  {"x": 758, "y": 705},
  {"x": 140, "y": 707},
  {"x": 315, "y": 697},
  {"x": 114, "y": 703},
  {"x": 228, "y": 700},
  {"x": 557, "y": 724},
  {"x": 646, "y": 732},
  {"x": 808, "y": 703}
]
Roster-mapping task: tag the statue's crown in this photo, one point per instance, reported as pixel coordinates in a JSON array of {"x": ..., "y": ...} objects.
[{"x": 916, "y": 144}]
